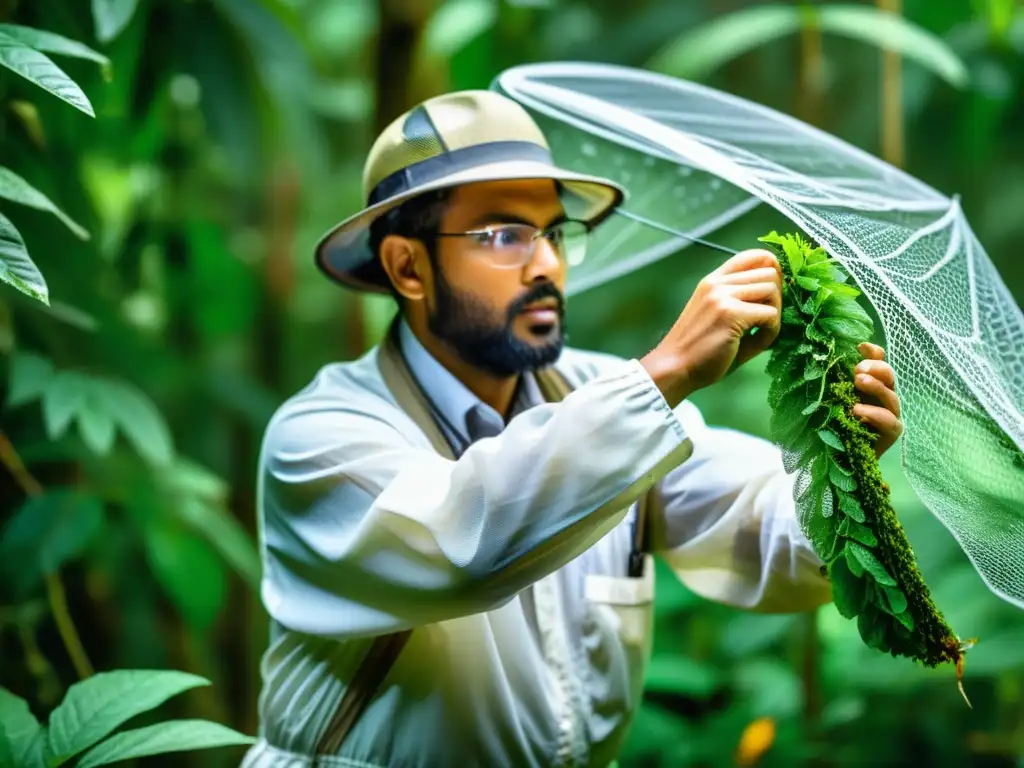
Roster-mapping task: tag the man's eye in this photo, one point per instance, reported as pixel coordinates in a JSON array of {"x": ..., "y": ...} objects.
[{"x": 508, "y": 237}]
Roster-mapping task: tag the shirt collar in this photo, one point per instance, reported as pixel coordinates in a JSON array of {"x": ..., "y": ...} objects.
[{"x": 450, "y": 396}]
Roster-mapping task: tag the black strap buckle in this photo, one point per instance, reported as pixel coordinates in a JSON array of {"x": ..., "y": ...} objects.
[{"x": 636, "y": 564}]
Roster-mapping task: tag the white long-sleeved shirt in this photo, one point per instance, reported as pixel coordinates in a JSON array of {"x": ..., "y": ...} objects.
[{"x": 530, "y": 643}]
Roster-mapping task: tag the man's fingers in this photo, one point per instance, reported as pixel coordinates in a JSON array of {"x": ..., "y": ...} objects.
[
  {"x": 757, "y": 292},
  {"x": 871, "y": 351},
  {"x": 872, "y": 386},
  {"x": 884, "y": 421},
  {"x": 751, "y": 315},
  {"x": 757, "y": 275},
  {"x": 750, "y": 259},
  {"x": 881, "y": 371}
]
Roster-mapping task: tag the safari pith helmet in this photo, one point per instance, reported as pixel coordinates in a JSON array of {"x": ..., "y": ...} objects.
[{"x": 451, "y": 140}]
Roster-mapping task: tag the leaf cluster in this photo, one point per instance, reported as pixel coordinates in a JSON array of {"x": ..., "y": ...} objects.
[
  {"x": 842, "y": 500},
  {"x": 93, "y": 708}
]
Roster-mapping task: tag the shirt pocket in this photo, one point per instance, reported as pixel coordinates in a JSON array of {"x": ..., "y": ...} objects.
[{"x": 623, "y": 607}]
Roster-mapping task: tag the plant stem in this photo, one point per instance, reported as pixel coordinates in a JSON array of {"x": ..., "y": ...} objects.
[
  {"x": 55, "y": 589},
  {"x": 65, "y": 625}
]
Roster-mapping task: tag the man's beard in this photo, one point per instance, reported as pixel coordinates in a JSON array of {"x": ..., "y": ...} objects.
[{"x": 465, "y": 324}]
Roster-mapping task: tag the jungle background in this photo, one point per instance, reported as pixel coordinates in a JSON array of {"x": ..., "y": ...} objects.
[{"x": 171, "y": 205}]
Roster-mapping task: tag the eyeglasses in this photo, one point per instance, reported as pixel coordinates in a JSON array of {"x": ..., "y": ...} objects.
[{"x": 513, "y": 245}]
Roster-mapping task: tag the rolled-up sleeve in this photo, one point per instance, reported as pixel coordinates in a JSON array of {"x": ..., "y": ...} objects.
[
  {"x": 725, "y": 522},
  {"x": 365, "y": 529}
]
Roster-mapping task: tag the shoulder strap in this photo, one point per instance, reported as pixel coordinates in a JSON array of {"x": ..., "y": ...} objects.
[{"x": 385, "y": 649}]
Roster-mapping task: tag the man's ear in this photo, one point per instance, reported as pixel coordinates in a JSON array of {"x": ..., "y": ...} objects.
[{"x": 405, "y": 262}]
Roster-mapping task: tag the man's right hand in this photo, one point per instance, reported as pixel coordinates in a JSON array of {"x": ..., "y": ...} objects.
[{"x": 712, "y": 335}]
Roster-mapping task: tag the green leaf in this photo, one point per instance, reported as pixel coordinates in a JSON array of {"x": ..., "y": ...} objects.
[
  {"x": 20, "y": 729},
  {"x": 37, "y": 68},
  {"x": 871, "y": 625},
  {"x": 111, "y": 17},
  {"x": 96, "y": 426},
  {"x": 140, "y": 420},
  {"x": 161, "y": 739},
  {"x": 30, "y": 374},
  {"x": 891, "y": 31},
  {"x": 825, "y": 271},
  {"x": 848, "y": 592},
  {"x": 850, "y": 506},
  {"x": 906, "y": 619},
  {"x": 697, "y": 53},
  {"x": 845, "y": 328},
  {"x": 813, "y": 370},
  {"x": 860, "y": 532},
  {"x": 848, "y": 307},
  {"x": 791, "y": 316},
  {"x": 808, "y": 283},
  {"x": 47, "y": 531},
  {"x": 811, "y": 408},
  {"x": 16, "y": 266},
  {"x": 94, "y": 707},
  {"x": 831, "y": 439},
  {"x": 456, "y": 23},
  {"x": 226, "y": 534},
  {"x": 855, "y": 565},
  {"x": 189, "y": 571},
  {"x": 679, "y": 675},
  {"x": 897, "y": 600},
  {"x": 64, "y": 395},
  {"x": 48, "y": 42},
  {"x": 14, "y": 188},
  {"x": 871, "y": 564},
  {"x": 839, "y": 478},
  {"x": 814, "y": 332}
]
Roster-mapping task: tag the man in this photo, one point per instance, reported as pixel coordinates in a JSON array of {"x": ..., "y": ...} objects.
[{"x": 457, "y": 528}]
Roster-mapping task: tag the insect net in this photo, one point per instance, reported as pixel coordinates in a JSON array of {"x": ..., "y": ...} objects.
[{"x": 694, "y": 158}]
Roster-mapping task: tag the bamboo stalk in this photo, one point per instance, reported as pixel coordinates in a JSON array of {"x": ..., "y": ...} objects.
[
  {"x": 892, "y": 107},
  {"x": 54, "y": 587}
]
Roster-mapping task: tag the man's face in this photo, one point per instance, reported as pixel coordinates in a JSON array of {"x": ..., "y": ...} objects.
[{"x": 499, "y": 318}]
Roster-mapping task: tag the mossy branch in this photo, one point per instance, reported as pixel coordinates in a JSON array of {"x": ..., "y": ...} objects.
[{"x": 842, "y": 500}]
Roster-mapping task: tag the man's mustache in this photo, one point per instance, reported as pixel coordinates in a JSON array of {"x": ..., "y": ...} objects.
[{"x": 535, "y": 294}]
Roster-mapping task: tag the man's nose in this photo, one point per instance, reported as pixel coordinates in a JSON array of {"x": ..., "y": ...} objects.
[{"x": 545, "y": 263}]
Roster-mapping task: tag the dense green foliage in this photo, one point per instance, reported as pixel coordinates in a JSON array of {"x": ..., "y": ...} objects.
[{"x": 164, "y": 201}]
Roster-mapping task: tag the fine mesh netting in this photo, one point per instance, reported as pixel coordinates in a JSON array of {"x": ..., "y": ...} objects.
[{"x": 694, "y": 159}]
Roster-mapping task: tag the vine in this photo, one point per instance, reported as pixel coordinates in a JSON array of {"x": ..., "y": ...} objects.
[{"x": 842, "y": 500}]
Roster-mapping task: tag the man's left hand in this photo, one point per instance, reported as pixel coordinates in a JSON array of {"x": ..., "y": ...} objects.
[{"x": 879, "y": 406}]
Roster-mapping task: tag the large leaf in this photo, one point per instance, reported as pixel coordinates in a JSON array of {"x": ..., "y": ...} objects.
[
  {"x": 216, "y": 524},
  {"x": 111, "y": 17},
  {"x": 47, "y": 531},
  {"x": 162, "y": 738},
  {"x": 140, "y": 420},
  {"x": 189, "y": 571},
  {"x": 16, "y": 189},
  {"x": 702, "y": 50},
  {"x": 19, "y": 729},
  {"x": 17, "y": 267},
  {"x": 64, "y": 396},
  {"x": 199, "y": 498},
  {"x": 30, "y": 375},
  {"x": 94, "y": 707},
  {"x": 49, "y": 42},
  {"x": 37, "y": 68},
  {"x": 455, "y": 24}
]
